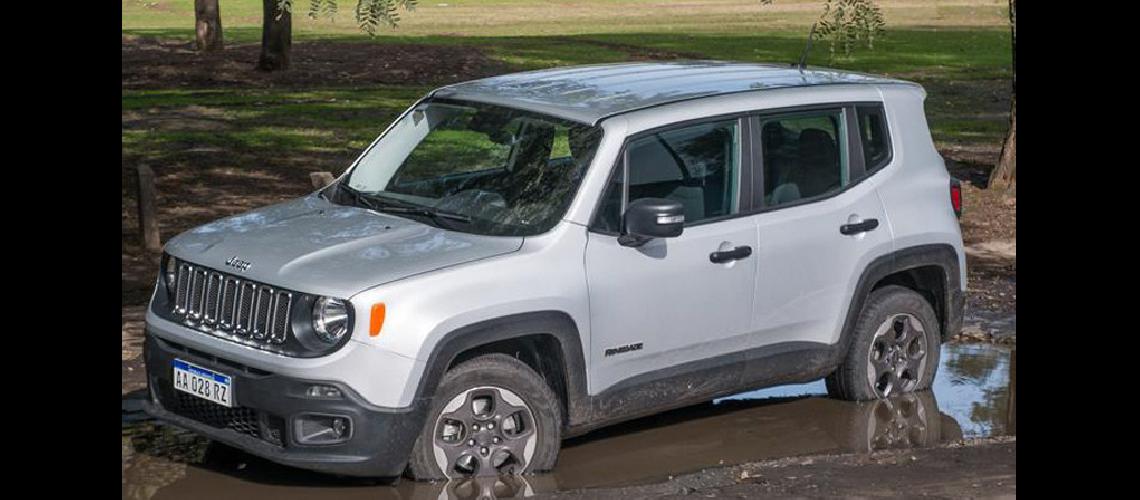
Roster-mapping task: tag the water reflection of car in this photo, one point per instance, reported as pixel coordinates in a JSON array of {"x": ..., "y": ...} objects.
[
  {"x": 727, "y": 433},
  {"x": 738, "y": 431},
  {"x": 527, "y": 258},
  {"x": 910, "y": 420}
]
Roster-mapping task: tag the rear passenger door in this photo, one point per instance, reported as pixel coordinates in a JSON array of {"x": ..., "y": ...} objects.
[{"x": 820, "y": 220}]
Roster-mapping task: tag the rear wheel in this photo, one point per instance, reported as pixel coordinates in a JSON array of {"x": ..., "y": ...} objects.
[
  {"x": 491, "y": 415},
  {"x": 895, "y": 348}
]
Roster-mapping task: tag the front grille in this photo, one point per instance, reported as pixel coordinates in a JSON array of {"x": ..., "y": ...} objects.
[
  {"x": 219, "y": 303},
  {"x": 248, "y": 421}
]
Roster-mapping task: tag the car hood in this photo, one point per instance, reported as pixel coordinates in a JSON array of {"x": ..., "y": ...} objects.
[{"x": 312, "y": 245}]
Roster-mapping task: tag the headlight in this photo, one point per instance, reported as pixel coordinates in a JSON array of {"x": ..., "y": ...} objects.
[
  {"x": 170, "y": 273},
  {"x": 171, "y": 269},
  {"x": 330, "y": 319}
]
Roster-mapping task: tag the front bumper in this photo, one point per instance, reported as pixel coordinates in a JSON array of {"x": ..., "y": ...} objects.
[{"x": 262, "y": 422}]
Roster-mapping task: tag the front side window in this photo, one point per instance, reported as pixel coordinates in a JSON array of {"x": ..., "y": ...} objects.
[
  {"x": 697, "y": 165},
  {"x": 484, "y": 169},
  {"x": 804, "y": 156}
]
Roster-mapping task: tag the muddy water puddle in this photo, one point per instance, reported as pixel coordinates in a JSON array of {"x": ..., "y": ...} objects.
[{"x": 971, "y": 398}]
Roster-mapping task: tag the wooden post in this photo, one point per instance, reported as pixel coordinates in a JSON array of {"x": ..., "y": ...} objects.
[
  {"x": 321, "y": 179},
  {"x": 148, "y": 211}
]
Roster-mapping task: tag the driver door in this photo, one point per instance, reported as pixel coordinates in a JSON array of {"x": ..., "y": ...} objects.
[{"x": 665, "y": 303}]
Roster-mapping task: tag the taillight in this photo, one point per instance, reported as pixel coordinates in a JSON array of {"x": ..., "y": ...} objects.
[{"x": 956, "y": 196}]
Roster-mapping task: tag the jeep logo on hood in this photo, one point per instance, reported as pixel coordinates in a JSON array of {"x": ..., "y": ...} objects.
[{"x": 236, "y": 263}]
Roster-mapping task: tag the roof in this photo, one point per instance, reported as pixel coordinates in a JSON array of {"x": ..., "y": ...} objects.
[{"x": 591, "y": 93}]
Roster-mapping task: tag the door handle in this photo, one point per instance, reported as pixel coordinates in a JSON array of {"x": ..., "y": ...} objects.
[
  {"x": 740, "y": 252},
  {"x": 859, "y": 227}
]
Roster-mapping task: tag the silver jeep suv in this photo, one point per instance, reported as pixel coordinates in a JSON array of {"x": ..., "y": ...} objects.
[{"x": 525, "y": 258}]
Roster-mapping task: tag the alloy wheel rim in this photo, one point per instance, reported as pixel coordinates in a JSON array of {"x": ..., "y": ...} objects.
[
  {"x": 484, "y": 431},
  {"x": 898, "y": 355}
]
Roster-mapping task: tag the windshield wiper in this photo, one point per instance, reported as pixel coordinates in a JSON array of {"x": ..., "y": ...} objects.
[
  {"x": 358, "y": 197},
  {"x": 434, "y": 213},
  {"x": 387, "y": 205}
]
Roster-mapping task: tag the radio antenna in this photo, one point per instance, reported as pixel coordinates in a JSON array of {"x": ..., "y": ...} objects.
[{"x": 807, "y": 49}]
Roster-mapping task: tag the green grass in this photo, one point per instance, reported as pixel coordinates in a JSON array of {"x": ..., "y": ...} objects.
[
  {"x": 957, "y": 36},
  {"x": 949, "y": 53},
  {"x": 210, "y": 141},
  {"x": 261, "y": 119},
  {"x": 933, "y": 43},
  {"x": 560, "y": 17}
]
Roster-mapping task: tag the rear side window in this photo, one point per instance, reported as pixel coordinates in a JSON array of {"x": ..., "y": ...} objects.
[
  {"x": 804, "y": 156},
  {"x": 873, "y": 132}
]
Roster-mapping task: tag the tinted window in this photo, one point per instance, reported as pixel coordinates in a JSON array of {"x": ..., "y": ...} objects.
[
  {"x": 873, "y": 132},
  {"x": 804, "y": 156}
]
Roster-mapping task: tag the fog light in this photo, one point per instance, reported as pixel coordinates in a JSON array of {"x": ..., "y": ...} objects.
[
  {"x": 323, "y": 391},
  {"x": 322, "y": 429}
]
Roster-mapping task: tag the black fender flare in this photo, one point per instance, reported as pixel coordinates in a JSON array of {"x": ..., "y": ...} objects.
[
  {"x": 555, "y": 323},
  {"x": 940, "y": 255}
]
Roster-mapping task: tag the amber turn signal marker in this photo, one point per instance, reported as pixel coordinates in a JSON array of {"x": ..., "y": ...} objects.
[{"x": 377, "y": 321}]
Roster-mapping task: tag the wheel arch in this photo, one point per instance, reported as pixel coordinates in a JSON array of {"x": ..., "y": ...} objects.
[
  {"x": 528, "y": 337},
  {"x": 931, "y": 270}
]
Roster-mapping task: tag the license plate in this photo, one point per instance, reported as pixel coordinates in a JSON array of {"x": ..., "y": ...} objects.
[{"x": 206, "y": 384}]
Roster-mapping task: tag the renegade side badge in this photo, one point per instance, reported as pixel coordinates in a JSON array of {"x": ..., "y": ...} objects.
[{"x": 622, "y": 349}]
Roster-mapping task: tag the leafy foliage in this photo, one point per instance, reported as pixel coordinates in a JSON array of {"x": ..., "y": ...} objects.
[
  {"x": 845, "y": 22},
  {"x": 322, "y": 8},
  {"x": 370, "y": 14}
]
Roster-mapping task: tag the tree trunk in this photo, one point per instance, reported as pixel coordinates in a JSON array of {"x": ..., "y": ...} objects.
[
  {"x": 276, "y": 37},
  {"x": 1004, "y": 175},
  {"x": 208, "y": 25}
]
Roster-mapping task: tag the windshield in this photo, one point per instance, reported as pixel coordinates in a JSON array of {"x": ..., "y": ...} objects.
[{"x": 476, "y": 168}]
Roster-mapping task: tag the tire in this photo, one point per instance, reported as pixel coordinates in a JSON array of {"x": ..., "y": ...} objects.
[
  {"x": 493, "y": 388},
  {"x": 887, "y": 310}
]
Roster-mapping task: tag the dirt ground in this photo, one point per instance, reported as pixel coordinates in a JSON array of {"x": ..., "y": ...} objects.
[
  {"x": 989, "y": 231},
  {"x": 984, "y": 468},
  {"x": 149, "y": 63}
]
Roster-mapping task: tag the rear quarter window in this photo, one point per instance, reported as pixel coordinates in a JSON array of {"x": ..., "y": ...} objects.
[{"x": 875, "y": 136}]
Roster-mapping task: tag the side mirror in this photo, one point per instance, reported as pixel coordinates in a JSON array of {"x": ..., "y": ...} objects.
[{"x": 650, "y": 218}]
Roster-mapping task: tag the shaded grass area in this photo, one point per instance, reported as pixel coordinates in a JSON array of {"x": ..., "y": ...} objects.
[
  {"x": 959, "y": 52},
  {"x": 965, "y": 71},
  {"x": 259, "y": 122}
]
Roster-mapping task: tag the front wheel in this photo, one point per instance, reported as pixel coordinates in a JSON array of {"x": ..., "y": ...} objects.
[
  {"x": 491, "y": 415},
  {"x": 895, "y": 348}
]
